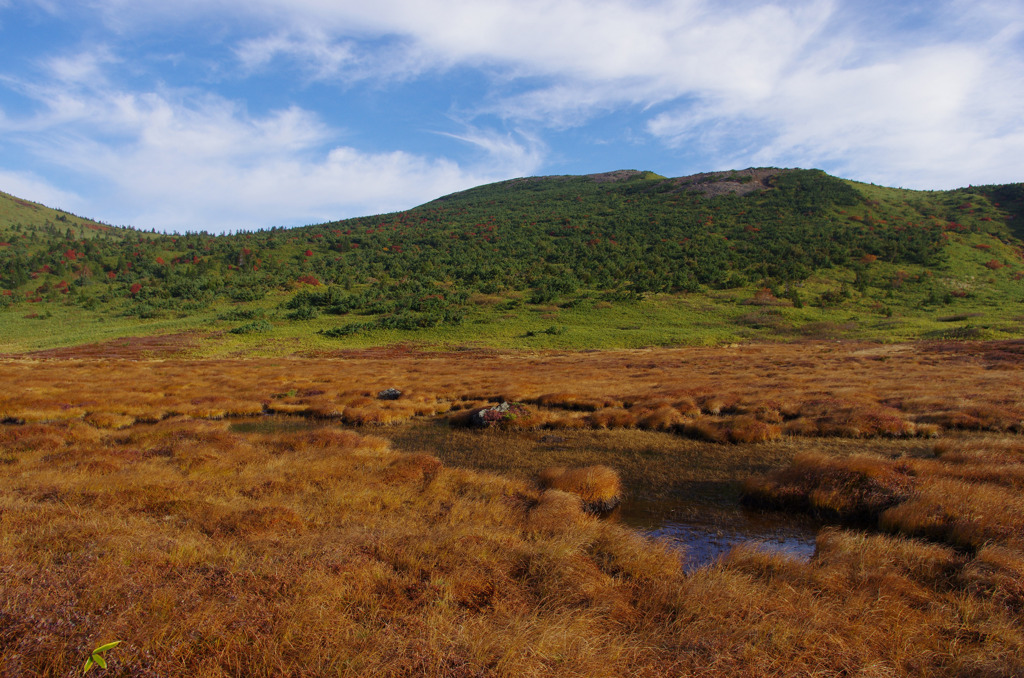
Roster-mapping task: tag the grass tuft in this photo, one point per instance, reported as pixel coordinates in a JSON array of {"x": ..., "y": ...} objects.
[
  {"x": 854, "y": 489},
  {"x": 599, "y": 487}
]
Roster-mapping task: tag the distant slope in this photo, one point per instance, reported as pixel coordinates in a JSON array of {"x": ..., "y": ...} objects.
[
  {"x": 1009, "y": 199},
  {"x": 617, "y": 258},
  {"x": 17, "y": 215}
]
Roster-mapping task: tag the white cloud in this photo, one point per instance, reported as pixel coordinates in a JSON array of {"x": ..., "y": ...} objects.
[
  {"x": 184, "y": 160},
  {"x": 280, "y": 190},
  {"x": 83, "y": 68},
  {"x": 316, "y": 51},
  {"x": 808, "y": 82},
  {"x": 514, "y": 150},
  {"x": 936, "y": 117},
  {"x": 28, "y": 186},
  {"x": 763, "y": 82},
  {"x": 668, "y": 43},
  {"x": 323, "y": 57}
]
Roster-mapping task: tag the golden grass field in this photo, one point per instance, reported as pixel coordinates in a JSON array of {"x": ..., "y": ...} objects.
[{"x": 143, "y": 499}]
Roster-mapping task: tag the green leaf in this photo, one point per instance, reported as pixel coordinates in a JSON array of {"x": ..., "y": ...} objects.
[
  {"x": 100, "y": 661},
  {"x": 88, "y": 665},
  {"x": 108, "y": 646}
]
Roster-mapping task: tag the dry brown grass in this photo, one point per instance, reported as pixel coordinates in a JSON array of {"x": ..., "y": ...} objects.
[
  {"x": 998, "y": 574},
  {"x": 109, "y": 420},
  {"x": 664, "y": 418},
  {"x": 706, "y": 429},
  {"x": 611, "y": 418},
  {"x": 599, "y": 487},
  {"x": 747, "y": 429},
  {"x": 964, "y": 513},
  {"x": 857, "y": 488},
  {"x": 128, "y": 511},
  {"x": 810, "y": 389},
  {"x": 557, "y": 511},
  {"x": 968, "y": 496},
  {"x": 308, "y": 553},
  {"x": 575, "y": 401},
  {"x": 413, "y": 468}
]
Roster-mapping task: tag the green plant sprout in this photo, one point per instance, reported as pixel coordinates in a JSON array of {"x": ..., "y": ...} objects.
[{"x": 97, "y": 658}]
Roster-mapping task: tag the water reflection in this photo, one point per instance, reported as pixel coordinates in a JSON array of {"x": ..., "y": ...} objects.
[{"x": 707, "y": 530}]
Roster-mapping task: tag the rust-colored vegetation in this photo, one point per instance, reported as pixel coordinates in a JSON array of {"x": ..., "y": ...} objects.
[
  {"x": 967, "y": 494},
  {"x": 856, "y": 488},
  {"x": 742, "y": 395},
  {"x": 252, "y": 517},
  {"x": 599, "y": 487}
]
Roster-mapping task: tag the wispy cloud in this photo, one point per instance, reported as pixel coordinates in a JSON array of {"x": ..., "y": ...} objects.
[
  {"x": 682, "y": 43},
  {"x": 180, "y": 159},
  {"x": 924, "y": 93},
  {"x": 819, "y": 82},
  {"x": 323, "y": 56},
  {"x": 511, "y": 150},
  {"x": 925, "y": 117},
  {"x": 82, "y": 68}
]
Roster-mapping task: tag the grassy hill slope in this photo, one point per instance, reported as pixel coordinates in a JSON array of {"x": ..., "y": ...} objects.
[
  {"x": 619, "y": 259},
  {"x": 20, "y": 217}
]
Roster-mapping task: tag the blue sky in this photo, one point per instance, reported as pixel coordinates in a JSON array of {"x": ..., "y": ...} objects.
[{"x": 223, "y": 115}]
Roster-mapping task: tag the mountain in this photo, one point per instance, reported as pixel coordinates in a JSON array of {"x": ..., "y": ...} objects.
[{"x": 623, "y": 258}]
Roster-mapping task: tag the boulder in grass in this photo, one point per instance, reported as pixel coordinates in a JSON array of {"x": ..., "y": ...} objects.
[
  {"x": 489, "y": 416},
  {"x": 389, "y": 394},
  {"x": 599, "y": 487}
]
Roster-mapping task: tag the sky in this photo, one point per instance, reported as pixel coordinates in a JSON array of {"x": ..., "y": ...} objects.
[{"x": 223, "y": 115}]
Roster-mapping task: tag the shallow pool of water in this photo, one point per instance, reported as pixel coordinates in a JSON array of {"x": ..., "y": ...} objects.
[{"x": 705, "y": 531}]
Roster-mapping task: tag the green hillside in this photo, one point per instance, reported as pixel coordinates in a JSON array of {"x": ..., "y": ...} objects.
[
  {"x": 607, "y": 260},
  {"x": 20, "y": 218}
]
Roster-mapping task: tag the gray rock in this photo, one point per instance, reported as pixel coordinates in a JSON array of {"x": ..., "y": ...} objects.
[{"x": 491, "y": 415}]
